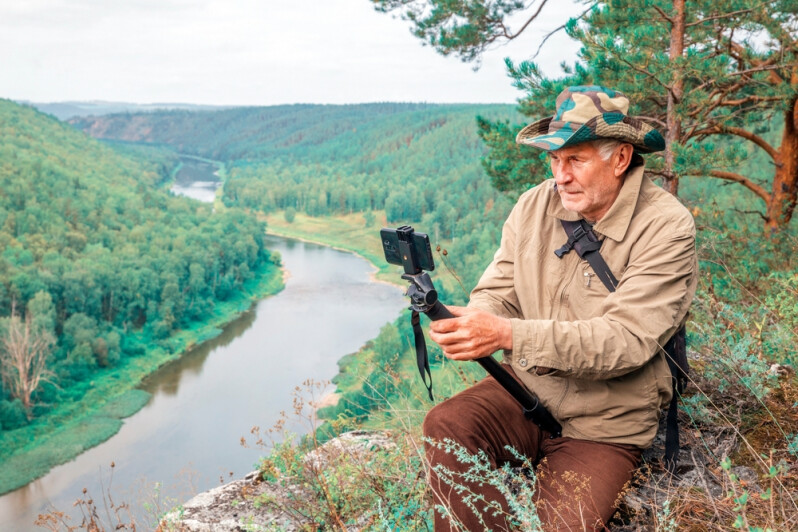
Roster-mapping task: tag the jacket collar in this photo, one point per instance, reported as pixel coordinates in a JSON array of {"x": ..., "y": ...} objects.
[{"x": 615, "y": 223}]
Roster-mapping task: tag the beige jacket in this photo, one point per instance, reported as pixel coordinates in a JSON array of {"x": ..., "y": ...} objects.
[{"x": 610, "y": 376}]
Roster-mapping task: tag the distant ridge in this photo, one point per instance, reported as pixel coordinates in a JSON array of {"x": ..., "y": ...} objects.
[
  {"x": 71, "y": 109},
  {"x": 306, "y": 132}
]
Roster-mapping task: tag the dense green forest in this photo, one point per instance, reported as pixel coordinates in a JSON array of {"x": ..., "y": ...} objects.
[{"x": 100, "y": 264}]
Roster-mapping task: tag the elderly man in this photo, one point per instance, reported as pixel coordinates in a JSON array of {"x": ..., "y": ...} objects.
[{"x": 593, "y": 356}]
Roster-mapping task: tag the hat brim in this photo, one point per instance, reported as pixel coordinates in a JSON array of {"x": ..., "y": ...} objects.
[{"x": 548, "y": 135}]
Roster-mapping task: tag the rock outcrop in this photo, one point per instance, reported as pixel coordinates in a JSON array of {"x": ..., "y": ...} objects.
[
  {"x": 241, "y": 505},
  {"x": 251, "y": 504}
]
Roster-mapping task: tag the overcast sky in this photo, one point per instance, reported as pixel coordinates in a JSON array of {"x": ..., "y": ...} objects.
[{"x": 245, "y": 52}]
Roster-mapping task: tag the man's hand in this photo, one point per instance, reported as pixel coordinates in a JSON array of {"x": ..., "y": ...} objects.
[{"x": 471, "y": 334}]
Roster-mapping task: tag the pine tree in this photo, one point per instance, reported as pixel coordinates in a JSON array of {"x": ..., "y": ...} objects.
[{"x": 699, "y": 71}]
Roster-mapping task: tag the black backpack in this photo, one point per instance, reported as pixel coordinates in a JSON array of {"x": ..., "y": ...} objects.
[{"x": 583, "y": 240}]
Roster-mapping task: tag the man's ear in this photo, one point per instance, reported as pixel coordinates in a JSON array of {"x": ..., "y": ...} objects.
[{"x": 622, "y": 159}]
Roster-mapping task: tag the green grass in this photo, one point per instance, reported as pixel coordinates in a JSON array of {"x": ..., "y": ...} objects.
[
  {"x": 347, "y": 232},
  {"x": 59, "y": 447},
  {"x": 125, "y": 405}
]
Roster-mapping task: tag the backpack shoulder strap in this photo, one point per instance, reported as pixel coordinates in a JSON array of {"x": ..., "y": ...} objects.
[
  {"x": 584, "y": 241},
  {"x": 676, "y": 355}
]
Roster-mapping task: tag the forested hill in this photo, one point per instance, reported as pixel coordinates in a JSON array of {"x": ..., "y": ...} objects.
[
  {"x": 419, "y": 163},
  {"x": 107, "y": 263},
  {"x": 300, "y": 131}
]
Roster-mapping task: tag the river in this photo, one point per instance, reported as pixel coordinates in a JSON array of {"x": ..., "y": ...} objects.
[
  {"x": 187, "y": 438},
  {"x": 197, "y": 179}
]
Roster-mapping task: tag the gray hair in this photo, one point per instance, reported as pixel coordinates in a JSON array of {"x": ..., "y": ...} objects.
[{"x": 606, "y": 147}]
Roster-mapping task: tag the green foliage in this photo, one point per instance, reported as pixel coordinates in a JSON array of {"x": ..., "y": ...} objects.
[
  {"x": 104, "y": 258},
  {"x": 349, "y": 488},
  {"x": 12, "y": 414},
  {"x": 734, "y": 366},
  {"x": 517, "y": 488},
  {"x": 743, "y": 297},
  {"x": 98, "y": 251},
  {"x": 784, "y": 298},
  {"x": 463, "y": 28}
]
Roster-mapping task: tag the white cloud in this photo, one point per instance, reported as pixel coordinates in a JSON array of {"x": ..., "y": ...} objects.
[{"x": 254, "y": 52}]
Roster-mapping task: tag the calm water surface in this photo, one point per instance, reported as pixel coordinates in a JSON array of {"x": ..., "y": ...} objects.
[
  {"x": 197, "y": 179},
  {"x": 187, "y": 438}
]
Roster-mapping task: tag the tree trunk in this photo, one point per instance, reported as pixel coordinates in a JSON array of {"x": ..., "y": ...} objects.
[
  {"x": 23, "y": 359},
  {"x": 785, "y": 181},
  {"x": 674, "y": 123}
]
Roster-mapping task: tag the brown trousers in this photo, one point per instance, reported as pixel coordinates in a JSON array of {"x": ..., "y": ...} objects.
[{"x": 578, "y": 481}]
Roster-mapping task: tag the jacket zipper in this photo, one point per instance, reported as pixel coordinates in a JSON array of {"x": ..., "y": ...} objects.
[
  {"x": 562, "y": 296},
  {"x": 568, "y": 284}
]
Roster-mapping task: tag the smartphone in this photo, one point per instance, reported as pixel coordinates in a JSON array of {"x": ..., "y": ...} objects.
[{"x": 406, "y": 247}]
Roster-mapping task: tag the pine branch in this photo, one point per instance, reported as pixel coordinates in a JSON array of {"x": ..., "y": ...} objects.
[
  {"x": 766, "y": 67},
  {"x": 634, "y": 67}
]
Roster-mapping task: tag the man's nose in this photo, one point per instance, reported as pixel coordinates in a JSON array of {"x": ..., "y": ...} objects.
[{"x": 562, "y": 173}]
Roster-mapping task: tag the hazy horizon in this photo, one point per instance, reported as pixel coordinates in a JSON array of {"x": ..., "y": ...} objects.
[{"x": 247, "y": 53}]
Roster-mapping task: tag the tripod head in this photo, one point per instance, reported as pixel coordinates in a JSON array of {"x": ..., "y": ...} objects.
[{"x": 421, "y": 292}]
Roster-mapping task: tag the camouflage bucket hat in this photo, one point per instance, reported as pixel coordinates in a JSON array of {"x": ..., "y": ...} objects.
[{"x": 587, "y": 113}]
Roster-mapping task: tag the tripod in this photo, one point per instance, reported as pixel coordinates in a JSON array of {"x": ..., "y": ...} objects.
[{"x": 424, "y": 298}]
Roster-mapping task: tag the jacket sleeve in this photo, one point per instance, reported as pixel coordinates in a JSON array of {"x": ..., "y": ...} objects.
[
  {"x": 495, "y": 291},
  {"x": 650, "y": 303}
]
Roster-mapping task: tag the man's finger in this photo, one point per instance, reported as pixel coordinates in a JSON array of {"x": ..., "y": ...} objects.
[
  {"x": 459, "y": 311},
  {"x": 445, "y": 326},
  {"x": 446, "y": 337}
]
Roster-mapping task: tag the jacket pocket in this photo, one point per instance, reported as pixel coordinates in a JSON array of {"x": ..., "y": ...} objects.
[{"x": 619, "y": 406}]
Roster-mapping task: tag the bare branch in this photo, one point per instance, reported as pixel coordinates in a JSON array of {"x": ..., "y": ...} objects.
[
  {"x": 510, "y": 37},
  {"x": 663, "y": 14},
  {"x": 653, "y": 120},
  {"x": 719, "y": 17},
  {"x": 765, "y": 218},
  {"x": 764, "y": 68},
  {"x": 740, "y": 132},
  {"x": 737, "y": 178},
  {"x": 750, "y": 99},
  {"x": 562, "y": 27}
]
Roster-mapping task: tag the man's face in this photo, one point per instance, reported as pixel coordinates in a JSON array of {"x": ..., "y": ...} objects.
[{"x": 587, "y": 184}]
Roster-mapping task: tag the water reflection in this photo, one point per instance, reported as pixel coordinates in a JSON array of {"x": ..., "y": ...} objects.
[{"x": 167, "y": 379}]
